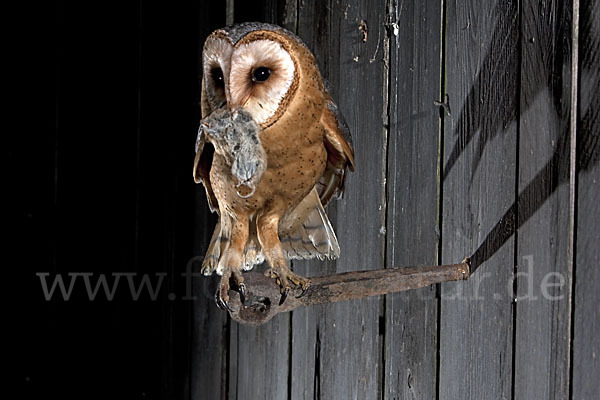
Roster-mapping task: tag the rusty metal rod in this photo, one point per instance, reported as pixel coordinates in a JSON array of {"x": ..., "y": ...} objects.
[{"x": 262, "y": 302}]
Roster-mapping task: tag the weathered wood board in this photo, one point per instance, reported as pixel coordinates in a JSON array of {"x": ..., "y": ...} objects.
[
  {"x": 412, "y": 231},
  {"x": 478, "y": 188},
  {"x": 586, "y": 341},
  {"x": 542, "y": 313},
  {"x": 336, "y": 349}
]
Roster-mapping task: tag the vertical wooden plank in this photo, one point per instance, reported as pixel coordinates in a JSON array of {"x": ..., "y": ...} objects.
[
  {"x": 412, "y": 190},
  {"x": 259, "y": 360},
  {"x": 209, "y": 337},
  {"x": 281, "y": 12},
  {"x": 315, "y": 22},
  {"x": 543, "y": 299},
  {"x": 586, "y": 341},
  {"x": 350, "y": 343},
  {"x": 478, "y": 189},
  {"x": 209, "y": 349},
  {"x": 337, "y": 348}
]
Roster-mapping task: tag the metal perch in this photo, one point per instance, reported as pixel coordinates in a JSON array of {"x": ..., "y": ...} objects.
[{"x": 262, "y": 298}]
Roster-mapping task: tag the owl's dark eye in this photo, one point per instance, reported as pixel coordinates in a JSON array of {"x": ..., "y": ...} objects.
[
  {"x": 261, "y": 74},
  {"x": 217, "y": 76}
]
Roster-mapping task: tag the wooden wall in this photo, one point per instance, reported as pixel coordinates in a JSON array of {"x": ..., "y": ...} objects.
[
  {"x": 476, "y": 133},
  {"x": 489, "y": 177}
]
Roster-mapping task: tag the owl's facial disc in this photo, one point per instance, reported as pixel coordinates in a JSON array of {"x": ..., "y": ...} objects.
[
  {"x": 261, "y": 75},
  {"x": 216, "y": 64}
]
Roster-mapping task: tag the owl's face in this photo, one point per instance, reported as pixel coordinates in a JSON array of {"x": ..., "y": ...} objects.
[{"x": 255, "y": 72}]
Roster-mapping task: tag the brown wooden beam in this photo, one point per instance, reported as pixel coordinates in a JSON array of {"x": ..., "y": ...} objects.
[{"x": 262, "y": 299}]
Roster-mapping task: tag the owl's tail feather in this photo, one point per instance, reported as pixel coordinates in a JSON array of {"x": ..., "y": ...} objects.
[{"x": 307, "y": 233}]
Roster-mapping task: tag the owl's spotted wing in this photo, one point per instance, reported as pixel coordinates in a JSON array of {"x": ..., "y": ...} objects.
[
  {"x": 204, "y": 157},
  {"x": 306, "y": 232},
  {"x": 340, "y": 153}
]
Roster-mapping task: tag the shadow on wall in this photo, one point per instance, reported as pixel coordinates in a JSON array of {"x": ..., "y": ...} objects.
[{"x": 491, "y": 117}]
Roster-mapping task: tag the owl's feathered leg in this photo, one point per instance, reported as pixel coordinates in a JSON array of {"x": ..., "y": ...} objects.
[
  {"x": 267, "y": 228},
  {"x": 230, "y": 263}
]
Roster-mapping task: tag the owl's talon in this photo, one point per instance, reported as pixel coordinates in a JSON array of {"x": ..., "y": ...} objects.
[
  {"x": 222, "y": 294},
  {"x": 222, "y": 304},
  {"x": 218, "y": 300},
  {"x": 304, "y": 291},
  {"x": 284, "y": 295},
  {"x": 287, "y": 280},
  {"x": 242, "y": 292}
]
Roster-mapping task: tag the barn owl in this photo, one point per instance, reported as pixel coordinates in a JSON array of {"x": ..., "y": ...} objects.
[{"x": 272, "y": 150}]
